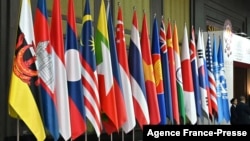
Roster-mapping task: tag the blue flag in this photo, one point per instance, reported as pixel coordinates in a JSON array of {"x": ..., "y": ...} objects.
[
  {"x": 223, "y": 83},
  {"x": 165, "y": 72},
  {"x": 156, "y": 57},
  {"x": 195, "y": 75},
  {"x": 216, "y": 77}
]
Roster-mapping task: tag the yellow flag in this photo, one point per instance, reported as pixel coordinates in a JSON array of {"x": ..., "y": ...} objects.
[{"x": 24, "y": 78}]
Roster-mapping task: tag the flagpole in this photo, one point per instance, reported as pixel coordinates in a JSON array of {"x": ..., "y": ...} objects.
[
  {"x": 198, "y": 120},
  {"x": 202, "y": 120},
  {"x": 86, "y": 136},
  {"x": 18, "y": 132},
  {"x": 133, "y": 135},
  {"x": 209, "y": 121},
  {"x": 122, "y": 136},
  {"x": 111, "y": 137},
  {"x": 213, "y": 121}
]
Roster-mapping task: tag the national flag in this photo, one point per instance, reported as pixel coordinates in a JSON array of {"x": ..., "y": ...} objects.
[
  {"x": 178, "y": 73},
  {"x": 61, "y": 87},
  {"x": 45, "y": 67},
  {"x": 223, "y": 83},
  {"x": 211, "y": 79},
  {"x": 156, "y": 59},
  {"x": 24, "y": 78},
  {"x": 219, "y": 117},
  {"x": 119, "y": 95},
  {"x": 171, "y": 64},
  {"x": 105, "y": 72},
  {"x": 188, "y": 88},
  {"x": 202, "y": 75},
  {"x": 194, "y": 67},
  {"x": 88, "y": 71},
  {"x": 73, "y": 69},
  {"x": 206, "y": 79},
  {"x": 153, "y": 107},
  {"x": 137, "y": 78},
  {"x": 165, "y": 72},
  {"x": 125, "y": 74}
]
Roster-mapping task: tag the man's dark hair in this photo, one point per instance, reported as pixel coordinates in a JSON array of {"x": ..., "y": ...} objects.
[
  {"x": 242, "y": 98},
  {"x": 232, "y": 100}
]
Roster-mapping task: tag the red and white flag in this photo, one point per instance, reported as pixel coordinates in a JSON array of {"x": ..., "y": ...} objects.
[{"x": 188, "y": 88}]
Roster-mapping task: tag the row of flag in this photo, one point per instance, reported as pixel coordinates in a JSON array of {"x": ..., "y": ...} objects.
[{"x": 58, "y": 85}]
